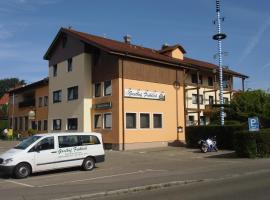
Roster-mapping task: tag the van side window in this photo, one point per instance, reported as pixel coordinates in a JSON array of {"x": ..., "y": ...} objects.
[
  {"x": 68, "y": 141},
  {"x": 46, "y": 144},
  {"x": 89, "y": 140}
]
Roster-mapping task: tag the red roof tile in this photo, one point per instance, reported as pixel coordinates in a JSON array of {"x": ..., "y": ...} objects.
[{"x": 4, "y": 99}]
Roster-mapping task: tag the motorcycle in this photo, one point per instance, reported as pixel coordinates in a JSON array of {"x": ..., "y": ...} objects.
[{"x": 208, "y": 145}]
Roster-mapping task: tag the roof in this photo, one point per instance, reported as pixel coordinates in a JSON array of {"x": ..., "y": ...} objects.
[
  {"x": 40, "y": 83},
  {"x": 171, "y": 48},
  {"x": 4, "y": 100},
  {"x": 135, "y": 51}
]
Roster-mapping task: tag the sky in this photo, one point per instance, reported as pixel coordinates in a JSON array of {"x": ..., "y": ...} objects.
[{"x": 27, "y": 28}]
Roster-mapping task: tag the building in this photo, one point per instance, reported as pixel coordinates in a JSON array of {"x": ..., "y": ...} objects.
[
  {"x": 28, "y": 108},
  {"x": 135, "y": 96}
]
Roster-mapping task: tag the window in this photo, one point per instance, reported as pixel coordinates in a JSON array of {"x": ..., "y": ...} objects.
[
  {"x": 57, "y": 96},
  {"x": 97, "y": 121},
  {"x": 225, "y": 100},
  {"x": 34, "y": 125},
  {"x": 69, "y": 61},
  {"x": 20, "y": 123},
  {"x": 97, "y": 89},
  {"x": 131, "y": 120},
  {"x": 210, "y": 81},
  {"x": 55, "y": 70},
  {"x": 46, "y": 101},
  {"x": 108, "y": 120},
  {"x": 202, "y": 120},
  {"x": 45, "y": 144},
  {"x": 200, "y": 79},
  {"x": 40, "y": 102},
  {"x": 194, "y": 78},
  {"x": 16, "y": 123},
  {"x": 45, "y": 125},
  {"x": 144, "y": 120},
  {"x": 195, "y": 99},
  {"x": 57, "y": 124},
  {"x": 88, "y": 140},
  {"x": 73, "y": 93},
  {"x": 107, "y": 88},
  {"x": 211, "y": 100},
  {"x": 25, "y": 123},
  {"x": 72, "y": 123},
  {"x": 39, "y": 125},
  {"x": 191, "y": 120},
  {"x": 157, "y": 118},
  {"x": 68, "y": 141}
]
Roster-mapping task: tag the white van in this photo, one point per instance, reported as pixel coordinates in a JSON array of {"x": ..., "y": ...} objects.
[{"x": 44, "y": 152}]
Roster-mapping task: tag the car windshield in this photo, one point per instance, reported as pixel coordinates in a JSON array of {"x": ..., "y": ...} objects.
[{"x": 27, "y": 142}]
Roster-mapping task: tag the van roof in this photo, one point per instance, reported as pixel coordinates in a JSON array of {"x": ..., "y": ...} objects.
[{"x": 69, "y": 133}]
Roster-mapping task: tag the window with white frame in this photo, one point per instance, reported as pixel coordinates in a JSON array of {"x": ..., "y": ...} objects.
[
  {"x": 72, "y": 124},
  {"x": 97, "y": 89},
  {"x": 57, "y": 96},
  {"x": 157, "y": 120},
  {"x": 144, "y": 120},
  {"x": 107, "y": 88},
  {"x": 108, "y": 120},
  {"x": 69, "y": 62},
  {"x": 72, "y": 93},
  {"x": 57, "y": 124},
  {"x": 97, "y": 121},
  {"x": 131, "y": 120},
  {"x": 45, "y": 100}
]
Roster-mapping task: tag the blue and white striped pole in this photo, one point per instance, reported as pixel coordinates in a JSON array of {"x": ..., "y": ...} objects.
[{"x": 219, "y": 37}]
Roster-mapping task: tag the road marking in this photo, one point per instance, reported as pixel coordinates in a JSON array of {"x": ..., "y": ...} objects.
[
  {"x": 100, "y": 177},
  {"x": 18, "y": 183}
]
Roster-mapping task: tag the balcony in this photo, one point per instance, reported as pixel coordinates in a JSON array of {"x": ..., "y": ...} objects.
[{"x": 27, "y": 103}]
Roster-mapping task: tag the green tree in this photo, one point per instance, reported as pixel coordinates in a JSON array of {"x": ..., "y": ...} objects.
[
  {"x": 9, "y": 83},
  {"x": 248, "y": 104}
]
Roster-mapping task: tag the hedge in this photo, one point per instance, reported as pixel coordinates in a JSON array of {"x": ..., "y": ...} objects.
[
  {"x": 224, "y": 135},
  {"x": 252, "y": 144}
]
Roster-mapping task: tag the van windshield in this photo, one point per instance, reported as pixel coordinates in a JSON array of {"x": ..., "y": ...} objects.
[{"x": 27, "y": 142}]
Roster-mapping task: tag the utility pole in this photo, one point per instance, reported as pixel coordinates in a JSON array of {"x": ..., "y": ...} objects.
[{"x": 219, "y": 37}]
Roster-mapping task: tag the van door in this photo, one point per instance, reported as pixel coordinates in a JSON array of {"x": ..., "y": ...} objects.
[{"x": 45, "y": 154}]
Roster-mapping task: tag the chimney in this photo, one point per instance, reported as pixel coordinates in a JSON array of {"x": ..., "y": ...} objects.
[
  {"x": 164, "y": 46},
  {"x": 127, "y": 39}
]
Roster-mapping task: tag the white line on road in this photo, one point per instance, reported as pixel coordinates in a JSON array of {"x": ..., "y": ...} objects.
[
  {"x": 100, "y": 177},
  {"x": 18, "y": 183}
]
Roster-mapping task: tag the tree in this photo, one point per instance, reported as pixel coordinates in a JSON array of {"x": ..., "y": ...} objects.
[
  {"x": 249, "y": 104},
  {"x": 9, "y": 83}
]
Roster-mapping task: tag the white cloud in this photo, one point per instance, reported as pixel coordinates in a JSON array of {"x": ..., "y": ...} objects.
[
  {"x": 255, "y": 40},
  {"x": 267, "y": 65}
]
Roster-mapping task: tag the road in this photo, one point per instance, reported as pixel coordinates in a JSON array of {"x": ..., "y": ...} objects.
[
  {"x": 254, "y": 186},
  {"x": 217, "y": 174}
]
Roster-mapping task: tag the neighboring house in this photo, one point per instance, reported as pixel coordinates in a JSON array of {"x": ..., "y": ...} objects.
[
  {"x": 28, "y": 107},
  {"x": 3, "y": 103},
  {"x": 135, "y": 96}
]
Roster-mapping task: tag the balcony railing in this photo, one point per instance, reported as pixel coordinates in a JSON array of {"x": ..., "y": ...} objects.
[{"x": 27, "y": 103}]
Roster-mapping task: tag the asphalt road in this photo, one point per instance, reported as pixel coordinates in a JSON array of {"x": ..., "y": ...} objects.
[
  {"x": 204, "y": 173},
  {"x": 254, "y": 186}
]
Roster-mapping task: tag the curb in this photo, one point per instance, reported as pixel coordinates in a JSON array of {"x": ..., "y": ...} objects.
[{"x": 130, "y": 190}]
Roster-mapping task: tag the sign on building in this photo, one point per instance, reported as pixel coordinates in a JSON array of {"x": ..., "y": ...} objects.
[
  {"x": 144, "y": 94},
  {"x": 253, "y": 124}
]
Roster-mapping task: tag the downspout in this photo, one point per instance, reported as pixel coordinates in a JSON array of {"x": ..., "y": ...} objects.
[
  {"x": 176, "y": 89},
  {"x": 123, "y": 111}
]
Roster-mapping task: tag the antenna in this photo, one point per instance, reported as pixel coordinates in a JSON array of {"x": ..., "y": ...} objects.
[{"x": 219, "y": 37}]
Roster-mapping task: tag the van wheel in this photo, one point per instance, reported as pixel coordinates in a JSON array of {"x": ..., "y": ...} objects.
[
  {"x": 88, "y": 164},
  {"x": 22, "y": 170}
]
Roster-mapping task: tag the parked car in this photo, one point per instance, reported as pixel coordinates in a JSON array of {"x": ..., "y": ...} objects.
[{"x": 43, "y": 152}]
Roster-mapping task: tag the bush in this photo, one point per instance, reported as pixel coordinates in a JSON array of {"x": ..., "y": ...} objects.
[
  {"x": 224, "y": 135},
  {"x": 252, "y": 144}
]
